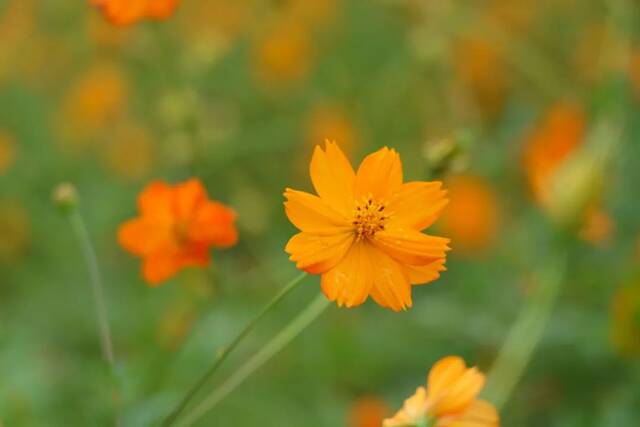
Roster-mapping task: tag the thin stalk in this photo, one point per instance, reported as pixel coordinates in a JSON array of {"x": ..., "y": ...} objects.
[
  {"x": 277, "y": 343},
  {"x": 525, "y": 333},
  {"x": 95, "y": 279},
  {"x": 224, "y": 353},
  {"x": 80, "y": 230}
]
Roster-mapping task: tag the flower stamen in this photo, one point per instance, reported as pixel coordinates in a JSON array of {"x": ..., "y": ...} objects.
[{"x": 369, "y": 217}]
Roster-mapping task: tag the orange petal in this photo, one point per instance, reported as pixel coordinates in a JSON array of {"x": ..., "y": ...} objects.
[
  {"x": 142, "y": 237},
  {"x": 188, "y": 196},
  {"x": 333, "y": 177},
  {"x": 349, "y": 282},
  {"x": 213, "y": 223},
  {"x": 318, "y": 254},
  {"x": 156, "y": 201},
  {"x": 411, "y": 247},
  {"x": 158, "y": 268},
  {"x": 417, "y": 205},
  {"x": 413, "y": 410},
  {"x": 479, "y": 414},
  {"x": 122, "y": 12},
  {"x": 451, "y": 386},
  {"x": 391, "y": 287},
  {"x": 309, "y": 213},
  {"x": 421, "y": 275},
  {"x": 161, "y": 9},
  {"x": 379, "y": 174}
]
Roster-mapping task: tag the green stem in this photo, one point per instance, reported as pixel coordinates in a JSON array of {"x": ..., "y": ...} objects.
[
  {"x": 277, "y": 343},
  {"x": 106, "y": 343},
  {"x": 525, "y": 333},
  {"x": 80, "y": 230},
  {"x": 224, "y": 353}
]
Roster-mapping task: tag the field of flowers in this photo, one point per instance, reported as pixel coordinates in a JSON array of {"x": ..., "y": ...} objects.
[{"x": 320, "y": 213}]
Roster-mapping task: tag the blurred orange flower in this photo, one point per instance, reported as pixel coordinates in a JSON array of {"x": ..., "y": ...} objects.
[
  {"x": 367, "y": 411},
  {"x": 283, "y": 53},
  {"x": 449, "y": 400},
  {"x": 130, "y": 152},
  {"x": 471, "y": 219},
  {"x": 634, "y": 70},
  {"x": 598, "y": 227},
  {"x": 126, "y": 12},
  {"x": 15, "y": 230},
  {"x": 94, "y": 101},
  {"x": 7, "y": 152},
  {"x": 550, "y": 145},
  {"x": 363, "y": 232},
  {"x": 625, "y": 325},
  {"x": 328, "y": 121},
  {"x": 479, "y": 66},
  {"x": 176, "y": 227}
]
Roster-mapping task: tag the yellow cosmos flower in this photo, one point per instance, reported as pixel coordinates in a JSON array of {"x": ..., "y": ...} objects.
[
  {"x": 449, "y": 400},
  {"x": 362, "y": 232}
]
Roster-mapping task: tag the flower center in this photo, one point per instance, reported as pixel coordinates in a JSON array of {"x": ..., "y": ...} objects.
[
  {"x": 181, "y": 232},
  {"x": 369, "y": 217}
]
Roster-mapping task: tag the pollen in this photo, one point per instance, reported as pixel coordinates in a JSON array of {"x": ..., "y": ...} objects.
[{"x": 370, "y": 216}]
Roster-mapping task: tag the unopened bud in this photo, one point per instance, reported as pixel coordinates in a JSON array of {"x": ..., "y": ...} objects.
[{"x": 65, "y": 196}]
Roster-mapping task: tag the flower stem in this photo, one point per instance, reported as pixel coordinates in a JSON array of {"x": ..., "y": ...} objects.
[
  {"x": 80, "y": 230},
  {"x": 525, "y": 333},
  {"x": 224, "y": 353},
  {"x": 106, "y": 343},
  {"x": 277, "y": 343}
]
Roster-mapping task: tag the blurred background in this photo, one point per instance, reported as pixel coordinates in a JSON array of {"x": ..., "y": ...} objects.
[{"x": 529, "y": 111}]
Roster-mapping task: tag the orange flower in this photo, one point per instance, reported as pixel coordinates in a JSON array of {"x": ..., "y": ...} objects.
[
  {"x": 126, "y": 12},
  {"x": 363, "y": 232},
  {"x": 550, "y": 146},
  {"x": 472, "y": 217},
  {"x": 449, "y": 400},
  {"x": 368, "y": 411},
  {"x": 598, "y": 227},
  {"x": 177, "y": 226}
]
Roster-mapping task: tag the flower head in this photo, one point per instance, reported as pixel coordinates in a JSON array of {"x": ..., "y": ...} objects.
[
  {"x": 367, "y": 411},
  {"x": 126, "y": 12},
  {"x": 176, "y": 227},
  {"x": 450, "y": 399},
  {"x": 363, "y": 232}
]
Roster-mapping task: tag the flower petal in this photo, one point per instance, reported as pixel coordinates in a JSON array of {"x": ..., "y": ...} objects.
[
  {"x": 379, "y": 174},
  {"x": 333, "y": 177},
  {"x": 411, "y": 247},
  {"x": 188, "y": 196},
  {"x": 318, "y": 254},
  {"x": 141, "y": 236},
  {"x": 213, "y": 224},
  {"x": 309, "y": 213},
  {"x": 451, "y": 386},
  {"x": 424, "y": 274},
  {"x": 391, "y": 287},
  {"x": 480, "y": 413},
  {"x": 349, "y": 282},
  {"x": 417, "y": 205},
  {"x": 413, "y": 410},
  {"x": 156, "y": 201},
  {"x": 158, "y": 268}
]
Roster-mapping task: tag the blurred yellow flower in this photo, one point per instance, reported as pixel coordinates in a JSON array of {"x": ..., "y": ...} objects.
[
  {"x": 94, "y": 101},
  {"x": 479, "y": 66},
  {"x": 550, "y": 145},
  {"x": 471, "y": 220},
  {"x": 625, "y": 324},
  {"x": 634, "y": 71},
  {"x": 15, "y": 230},
  {"x": 331, "y": 122},
  {"x": 130, "y": 152},
  {"x": 314, "y": 13},
  {"x": 363, "y": 232},
  {"x": 282, "y": 53},
  {"x": 449, "y": 400},
  {"x": 17, "y": 26},
  {"x": 367, "y": 411},
  {"x": 8, "y": 148},
  {"x": 127, "y": 12}
]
